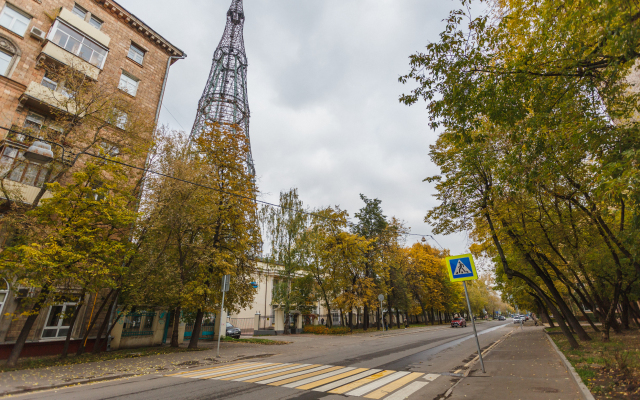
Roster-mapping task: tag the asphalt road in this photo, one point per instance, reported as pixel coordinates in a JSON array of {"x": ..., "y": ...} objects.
[{"x": 418, "y": 363}]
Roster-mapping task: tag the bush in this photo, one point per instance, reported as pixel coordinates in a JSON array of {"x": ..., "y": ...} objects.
[{"x": 323, "y": 330}]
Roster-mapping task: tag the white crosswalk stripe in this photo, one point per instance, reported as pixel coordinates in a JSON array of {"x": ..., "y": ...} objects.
[
  {"x": 318, "y": 377},
  {"x": 246, "y": 378},
  {"x": 377, "y": 383},
  {"x": 344, "y": 381},
  {"x": 372, "y": 383}
]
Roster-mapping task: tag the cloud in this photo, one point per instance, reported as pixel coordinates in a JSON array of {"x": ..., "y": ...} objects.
[{"x": 323, "y": 93}]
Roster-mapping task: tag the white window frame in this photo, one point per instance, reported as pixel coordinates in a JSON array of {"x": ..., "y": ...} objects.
[
  {"x": 86, "y": 42},
  {"x": 35, "y": 118},
  {"x": 129, "y": 84},
  {"x": 121, "y": 120},
  {"x": 48, "y": 81},
  {"x": 77, "y": 7},
  {"x": 132, "y": 50},
  {"x": 95, "y": 22},
  {"x": 59, "y": 325},
  {"x": 6, "y": 71},
  {"x": 17, "y": 14},
  {"x": 4, "y": 292}
]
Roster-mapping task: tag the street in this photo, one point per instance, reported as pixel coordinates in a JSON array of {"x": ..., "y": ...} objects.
[{"x": 417, "y": 362}]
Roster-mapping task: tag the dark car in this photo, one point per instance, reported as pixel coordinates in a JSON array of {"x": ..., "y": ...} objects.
[
  {"x": 458, "y": 322},
  {"x": 232, "y": 331},
  {"x": 502, "y": 318}
]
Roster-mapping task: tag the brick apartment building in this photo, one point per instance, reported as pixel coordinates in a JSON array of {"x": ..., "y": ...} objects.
[{"x": 109, "y": 45}]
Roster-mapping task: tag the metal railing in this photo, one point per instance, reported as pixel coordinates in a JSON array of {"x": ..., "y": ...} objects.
[{"x": 244, "y": 324}]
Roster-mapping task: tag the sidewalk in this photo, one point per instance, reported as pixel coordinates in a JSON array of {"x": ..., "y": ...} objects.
[
  {"x": 37, "y": 379},
  {"x": 523, "y": 366}
]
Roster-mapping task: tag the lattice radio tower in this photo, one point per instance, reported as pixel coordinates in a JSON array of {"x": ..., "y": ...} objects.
[{"x": 225, "y": 98}]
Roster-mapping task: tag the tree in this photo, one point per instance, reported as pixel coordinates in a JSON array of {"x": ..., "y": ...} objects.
[
  {"x": 284, "y": 226},
  {"x": 78, "y": 238}
]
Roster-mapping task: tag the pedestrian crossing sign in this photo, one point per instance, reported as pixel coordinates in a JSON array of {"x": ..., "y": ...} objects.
[{"x": 461, "y": 268}]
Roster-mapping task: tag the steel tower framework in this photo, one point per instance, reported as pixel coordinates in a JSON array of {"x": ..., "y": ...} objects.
[{"x": 225, "y": 97}]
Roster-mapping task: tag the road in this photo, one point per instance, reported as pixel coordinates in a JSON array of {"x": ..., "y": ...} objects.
[{"x": 421, "y": 363}]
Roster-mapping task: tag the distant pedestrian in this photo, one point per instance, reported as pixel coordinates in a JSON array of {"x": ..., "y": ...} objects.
[{"x": 322, "y": 321}]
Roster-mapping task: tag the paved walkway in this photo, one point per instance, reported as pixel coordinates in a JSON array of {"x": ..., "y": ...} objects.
[{"x": 523, "y": 366}]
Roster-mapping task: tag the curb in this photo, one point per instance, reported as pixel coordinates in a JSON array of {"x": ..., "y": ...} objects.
[
  {"x": 61, "y": 385},
  {"x": 586, "y": 393}
]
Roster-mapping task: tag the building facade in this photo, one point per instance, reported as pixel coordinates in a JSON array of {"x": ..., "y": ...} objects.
[{"x": 102, "y": 42}]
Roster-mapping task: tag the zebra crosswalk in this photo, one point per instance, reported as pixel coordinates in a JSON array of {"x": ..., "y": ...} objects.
[{"x": 350, "y": 381}]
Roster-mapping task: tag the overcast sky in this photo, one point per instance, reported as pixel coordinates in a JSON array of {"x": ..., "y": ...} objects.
[{"x": 323, "y": 92}]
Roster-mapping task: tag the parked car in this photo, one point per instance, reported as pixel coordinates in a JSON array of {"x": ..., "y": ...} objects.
[
  {"x": 526, "y": 317},
  {"x": 516, "y": 319},
  {"x": 502, "y": 318},
  {"x": 232, "y": 331},
  {"x": 458, "y": 322}
]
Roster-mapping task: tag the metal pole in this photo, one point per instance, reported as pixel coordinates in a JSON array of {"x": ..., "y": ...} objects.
[
  {"x": 220, "y": 325},
  {"x": 475, "y": 332},
  {"x": 381, "y": 316}
]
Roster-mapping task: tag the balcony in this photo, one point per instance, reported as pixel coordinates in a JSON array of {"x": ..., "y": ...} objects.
[
  {"x": 21, "y": 192},
  {"x": 54, "y": 53},
  {"x": 40, "y": 97},
  {"x": 84, "y": 27}
]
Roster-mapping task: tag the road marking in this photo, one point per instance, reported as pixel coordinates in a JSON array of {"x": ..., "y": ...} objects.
[
  {"x": 361, "y": 382},
  {"x": 210, "y": 369},
  {"x": 319, "y": 377},
  {"x": 258, "y": 372},
  {"x": 393, "y": 386},
  {"x": 307, "y": 367},
  {"x": 377, "y": 383},
  {"x": 252, "y": 371},
  {"x": 219, "y": 371},
  {"x": 431, "y": 377},
  {"x": 264, "y": 374},
  {"x": 297, "y": 378},
  {"x": 331, "y": 379},
  {"x": 215, "y": 374},
  {"x": 346, "y": 380},
  {"x": 268, "y": 381},
  {"x": 407, "y": 391}
]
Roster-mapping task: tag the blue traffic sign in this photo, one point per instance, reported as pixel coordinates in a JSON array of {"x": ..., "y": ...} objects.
[{"x": 461, "y": 268}]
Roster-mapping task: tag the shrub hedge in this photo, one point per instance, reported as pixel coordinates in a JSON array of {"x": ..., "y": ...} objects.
[{"x": 323, "y": 330}]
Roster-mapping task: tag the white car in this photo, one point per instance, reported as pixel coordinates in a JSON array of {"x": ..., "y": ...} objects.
[{"x": 516, "y": 319}]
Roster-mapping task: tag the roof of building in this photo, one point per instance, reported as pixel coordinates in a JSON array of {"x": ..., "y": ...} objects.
[{"x": 135, "y": 22}]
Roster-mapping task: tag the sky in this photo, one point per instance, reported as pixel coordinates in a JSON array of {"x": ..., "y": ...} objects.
[{"x": 323, "y": 92}]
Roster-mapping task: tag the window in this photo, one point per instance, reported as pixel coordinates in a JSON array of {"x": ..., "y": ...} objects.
[
  {"x": 14, "y": 20},
  {"x": 5, "y": 60},
  {"x": 128, "y": 84},
  {"x": 4, "y": 293},
  {"x": 16, "y": 168},
  {"x": 58, "y": 320},
  {"x": 77, "y": 44},
  {"x": 136, "y": 53},
  {"x": 49, "y": 84},
  {"x": 110, "y": 149},
  {"x": 335, "y": 318},
  {"x": 121, "y": 120},
  {"x": 34, "y": 121},
  {"x": 95, "y": 22},
  {"x": 79, "y": 11}
]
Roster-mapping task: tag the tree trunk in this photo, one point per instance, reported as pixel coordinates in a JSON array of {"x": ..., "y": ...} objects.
[
  {"x": 97, "y": 345},
  {"x": 72, "y": 324},
  {"x": 365, "y": 322},
  {"x": 624, "y": 316},
  {"x": 26, "y": 329},
  {"x": 584, "y": 314},
  {"x": 176, "y": 327},
  {"x": 197, "y": 328},
  {"x": 397, "y": 318},
  {"x": 86, "y": 334},
  {"x": 378, "y": 319}
]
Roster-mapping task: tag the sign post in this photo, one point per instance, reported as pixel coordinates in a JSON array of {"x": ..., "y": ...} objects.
[
  {"x": 223, "y": 323},
  {"x": 462, "y": 269},
  {"x": 381, "y": 298}
]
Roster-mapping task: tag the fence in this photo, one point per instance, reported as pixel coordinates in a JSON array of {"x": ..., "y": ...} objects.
[
  {"x": 244, "y": 324},
  {"x": 206, "y": 331},
  {"x": 267, "y": 322}
]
